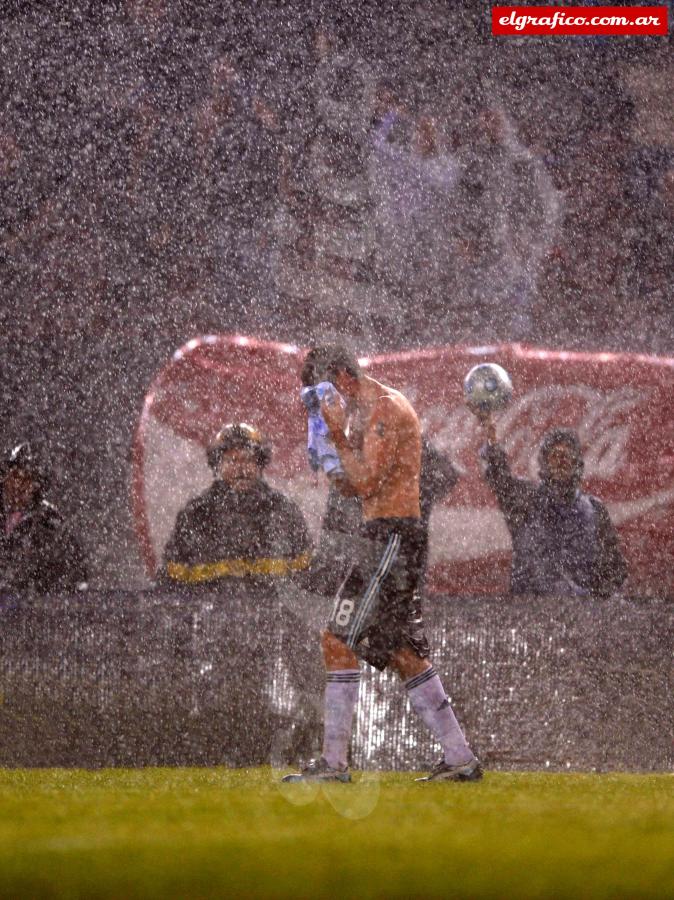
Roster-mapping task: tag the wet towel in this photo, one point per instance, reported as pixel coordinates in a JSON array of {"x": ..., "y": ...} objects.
[{"x": 320, "y": 449}]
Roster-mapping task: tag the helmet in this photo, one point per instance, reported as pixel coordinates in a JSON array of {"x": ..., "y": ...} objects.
[
  {"x": 239, "y": 436},
  {"x": 23, "y": 457}
]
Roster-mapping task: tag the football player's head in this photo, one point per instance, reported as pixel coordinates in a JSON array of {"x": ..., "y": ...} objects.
[{"x": 332, "y": 363}]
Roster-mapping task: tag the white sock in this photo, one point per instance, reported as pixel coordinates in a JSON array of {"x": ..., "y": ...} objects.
[
  {"x": 341, "y": 694},
  {"x": 428, "y": 698}
]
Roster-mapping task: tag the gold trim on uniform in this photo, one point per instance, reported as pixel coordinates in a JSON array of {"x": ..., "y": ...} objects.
[{"x": 236, "y": 568}]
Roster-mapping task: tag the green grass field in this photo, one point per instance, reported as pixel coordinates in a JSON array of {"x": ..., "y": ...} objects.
[{"x": 238, "y": 833}]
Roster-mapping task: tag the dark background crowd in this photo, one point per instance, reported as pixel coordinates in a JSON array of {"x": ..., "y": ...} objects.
[{"x": 388, "y": 172}]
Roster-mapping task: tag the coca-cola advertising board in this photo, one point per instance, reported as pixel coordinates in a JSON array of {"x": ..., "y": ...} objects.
[{"x": 622, "y": 406}]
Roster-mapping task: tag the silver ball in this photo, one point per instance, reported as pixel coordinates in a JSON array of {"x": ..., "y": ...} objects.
[{"x": 487, "y": 388}]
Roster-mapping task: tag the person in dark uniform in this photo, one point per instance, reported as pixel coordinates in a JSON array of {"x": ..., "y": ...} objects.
[
  {"x": 438, "y": 478},
  {"x": 563, "y": 540},
  {"x": 38, "y": 552},
  {"x": 240, "y": 528},
  {"x": 240, "y": 542}
]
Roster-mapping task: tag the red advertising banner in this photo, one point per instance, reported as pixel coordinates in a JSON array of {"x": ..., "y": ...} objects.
[
  {"x": 564, "y": 21},
  {"x": 621, "y": 404}
]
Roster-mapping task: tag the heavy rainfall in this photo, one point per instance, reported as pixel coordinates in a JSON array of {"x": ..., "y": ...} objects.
[{"x": 193, "y": 194}]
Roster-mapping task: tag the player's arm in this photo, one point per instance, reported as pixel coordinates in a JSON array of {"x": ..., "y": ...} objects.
[{"x": 366, "y": 469}]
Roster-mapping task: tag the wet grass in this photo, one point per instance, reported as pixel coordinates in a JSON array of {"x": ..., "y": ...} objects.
[{"x": 237, "y": 833}]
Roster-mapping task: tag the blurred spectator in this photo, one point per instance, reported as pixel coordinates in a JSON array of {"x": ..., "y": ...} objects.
[
  {"x": 240, "y": 528},
  {"x": 38, "y": 552},
  {"x": 563, "y": 540},
  {"x": 240, "y": 165},
  {"x": 413, "y": 183},
  {"x": 651, "y": 319},
  {"x": 506, "y": 215}
]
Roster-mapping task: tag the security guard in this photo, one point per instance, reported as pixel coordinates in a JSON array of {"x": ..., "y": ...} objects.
[
  {"x": 240, "y": 542},
  {"x": 240, "y": 528}
]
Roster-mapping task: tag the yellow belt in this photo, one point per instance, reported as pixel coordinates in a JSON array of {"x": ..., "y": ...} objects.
[{"x": 236, "y": 568}]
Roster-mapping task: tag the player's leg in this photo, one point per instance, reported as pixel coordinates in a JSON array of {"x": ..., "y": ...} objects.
[
  {"x": 355, "y": 604},
  {"x": 410, "y": 658},
  {"x": 341, "y": 697},
  {"x": 430, "y": 702},
  {"x": 354, "y": 608},
  {"x": 341, "y": 693}
]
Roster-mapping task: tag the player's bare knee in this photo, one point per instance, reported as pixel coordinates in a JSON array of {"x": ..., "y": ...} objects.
[
  {"x": 336, "y": 654},
  {"x": 407, "y": 663}
]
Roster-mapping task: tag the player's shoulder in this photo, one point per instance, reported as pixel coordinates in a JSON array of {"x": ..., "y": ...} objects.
[
  {"x": 386, "y": 416},
  {"x": 394, "y": 405},
  {"x": 397, "y": 411}
]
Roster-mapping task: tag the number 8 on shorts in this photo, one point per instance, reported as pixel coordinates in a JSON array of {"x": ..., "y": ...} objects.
[{"x": 342, "y": 611}]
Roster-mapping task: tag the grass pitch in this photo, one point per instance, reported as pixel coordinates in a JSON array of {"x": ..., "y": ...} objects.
[{"x": 237, "y": 833}]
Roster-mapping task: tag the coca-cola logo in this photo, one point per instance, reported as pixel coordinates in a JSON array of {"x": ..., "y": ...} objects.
[{"x": 603, "y": 419}]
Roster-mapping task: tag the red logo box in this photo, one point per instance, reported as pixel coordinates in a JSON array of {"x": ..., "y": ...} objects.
[{"x": 566, "y": 21}]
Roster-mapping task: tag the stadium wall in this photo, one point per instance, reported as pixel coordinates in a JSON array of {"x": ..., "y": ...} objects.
[{"x": 133, "y": 679}]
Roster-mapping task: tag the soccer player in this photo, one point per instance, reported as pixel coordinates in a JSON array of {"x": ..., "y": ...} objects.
[{"x": 377, "y": 615}]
